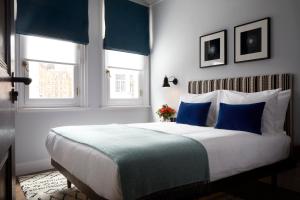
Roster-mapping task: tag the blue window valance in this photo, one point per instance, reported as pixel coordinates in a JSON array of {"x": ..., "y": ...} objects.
[
  {"x": 126, "y": 27},
  {"x": 60, "y": 19}
]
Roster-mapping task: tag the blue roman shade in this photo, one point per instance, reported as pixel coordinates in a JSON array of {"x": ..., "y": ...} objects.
[
  {"x": 126, "y": 27},
  {"x": 59, "y": 19}
]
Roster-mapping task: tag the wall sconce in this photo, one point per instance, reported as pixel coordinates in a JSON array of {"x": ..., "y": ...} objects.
[{"x": 166, "y": 81}]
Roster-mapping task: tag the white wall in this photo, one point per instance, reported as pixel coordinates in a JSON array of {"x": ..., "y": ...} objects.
[
  {"x": 178, "y": 24},
  {"x": 32, "y": 127}
]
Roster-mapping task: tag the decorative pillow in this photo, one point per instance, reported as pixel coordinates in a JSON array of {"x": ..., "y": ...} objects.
[
  {"x": 241, "y": 117},
  {"x": 270, "y": 97},
  {"x": 283, "y": 103},
  {"x": 193, "y": 113},
  {"x": 203, "y": 98}
]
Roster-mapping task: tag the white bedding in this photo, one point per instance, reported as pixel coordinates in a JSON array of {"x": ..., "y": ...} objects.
[{"x": 229, "y": 153}]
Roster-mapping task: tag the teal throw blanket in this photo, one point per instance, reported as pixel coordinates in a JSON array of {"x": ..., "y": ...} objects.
[{"x": 148, "y": 161}]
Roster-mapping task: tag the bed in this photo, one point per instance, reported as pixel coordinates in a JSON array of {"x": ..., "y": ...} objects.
[{"x": 230, "y": 153}]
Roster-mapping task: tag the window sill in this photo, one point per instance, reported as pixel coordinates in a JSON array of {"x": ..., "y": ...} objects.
[
  {"x": 53, "y": 109},
  {"x": 74, "y": 109},
  {"x": 124, "y": 107}
]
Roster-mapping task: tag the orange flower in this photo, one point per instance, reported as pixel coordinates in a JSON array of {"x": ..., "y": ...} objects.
[{"x": 166, "y": 112}]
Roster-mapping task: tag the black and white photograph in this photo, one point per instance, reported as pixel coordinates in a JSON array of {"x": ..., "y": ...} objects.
[
  {"x": 213, "y": 49},
  {"x": 252, "y": 41}
]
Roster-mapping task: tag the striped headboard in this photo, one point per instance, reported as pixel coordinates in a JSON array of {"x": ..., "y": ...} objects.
[{"x": 249, "y": 84}]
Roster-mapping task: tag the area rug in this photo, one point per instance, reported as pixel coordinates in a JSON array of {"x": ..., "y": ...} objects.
[{"x": 52, "y": 185}]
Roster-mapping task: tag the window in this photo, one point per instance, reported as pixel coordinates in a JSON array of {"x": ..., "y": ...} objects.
[
  {"x": 55, "y": 67},
  {"x": 127, "y": 79}
]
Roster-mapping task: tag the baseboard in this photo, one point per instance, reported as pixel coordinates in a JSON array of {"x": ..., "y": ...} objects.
[{"x": 33, "y": 166}]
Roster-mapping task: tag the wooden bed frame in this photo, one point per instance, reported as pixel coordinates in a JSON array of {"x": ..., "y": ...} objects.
[{"x": 244, "y": 84}]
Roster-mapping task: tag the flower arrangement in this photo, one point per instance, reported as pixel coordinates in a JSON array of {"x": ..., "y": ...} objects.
[{"x": 165, "y": 112}]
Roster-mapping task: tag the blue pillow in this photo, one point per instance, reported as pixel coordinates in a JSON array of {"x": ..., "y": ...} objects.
[
  {"x": 193, "y": 113},
  {"x": 244, "y": 117}
]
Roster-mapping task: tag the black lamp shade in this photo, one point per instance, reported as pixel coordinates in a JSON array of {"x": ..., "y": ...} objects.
[{"x": 166, "y": 82}]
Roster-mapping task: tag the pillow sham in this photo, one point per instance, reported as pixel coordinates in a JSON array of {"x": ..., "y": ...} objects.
[
  {"x": 283, "y": 103},
  {"x": 241, "y": 117},
  {"x": 193, "y": 113},
  {"x": 203, "y": 98},
  {"x": 270, "y": 97}
]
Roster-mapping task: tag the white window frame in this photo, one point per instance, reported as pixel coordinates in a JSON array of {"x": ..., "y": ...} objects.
[
  {"x": 143, "y": 99},
  {"x": 80, "y": 96}
]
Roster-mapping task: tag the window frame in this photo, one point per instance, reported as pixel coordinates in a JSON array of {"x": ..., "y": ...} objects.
[
  {"x": 80, "y": 97},
  {"x": 143, "y": 99}
]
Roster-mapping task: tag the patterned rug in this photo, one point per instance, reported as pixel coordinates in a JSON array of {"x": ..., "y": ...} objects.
[{"x": 52, "y": 185}]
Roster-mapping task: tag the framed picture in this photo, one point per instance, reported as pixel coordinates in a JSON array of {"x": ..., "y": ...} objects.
[
  {"x": 213, "y": 49},
  {"x": 252, "y": 41}
]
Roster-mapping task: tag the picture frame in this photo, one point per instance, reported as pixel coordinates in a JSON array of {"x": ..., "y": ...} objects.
[
  {"x": 252, "y": 41},
  {"x": 213, "y": 49}
]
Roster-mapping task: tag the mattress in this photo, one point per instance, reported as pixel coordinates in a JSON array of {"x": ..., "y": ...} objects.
[{"x": 229, "y": 153}]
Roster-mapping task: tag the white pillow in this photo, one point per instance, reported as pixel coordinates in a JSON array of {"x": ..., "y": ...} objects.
[
  {"x": 269, "y": 117},
  {"x": 283, "y": 103},
  {"x": 204, "y": 98}
]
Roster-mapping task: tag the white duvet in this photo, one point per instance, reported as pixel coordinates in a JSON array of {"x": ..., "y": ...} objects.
[{"x": 229, "y": 153}]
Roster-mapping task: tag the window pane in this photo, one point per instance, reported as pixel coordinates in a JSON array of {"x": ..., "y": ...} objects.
[
  {"x": 124, "y": 84},
  {"x": 52, "y": 81},
  {"x": 37, "y": 48},
  {"x": 124, "y": 60}
]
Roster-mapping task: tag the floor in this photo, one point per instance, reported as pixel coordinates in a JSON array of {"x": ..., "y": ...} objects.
[
  {"x": 19, "y": 193},
  {"x": 289, "y": 183}
]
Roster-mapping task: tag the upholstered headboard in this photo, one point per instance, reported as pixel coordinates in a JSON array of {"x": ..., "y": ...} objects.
[{"x": 250, "y": 84}]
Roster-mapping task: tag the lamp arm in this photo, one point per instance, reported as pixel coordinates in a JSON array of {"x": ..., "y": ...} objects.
[
  {"x": 173, "y": 77},
  {"x": 174, "y": 81}
]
